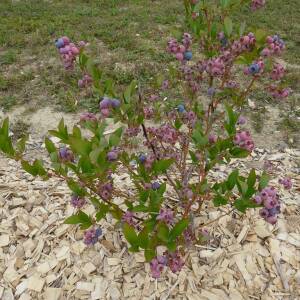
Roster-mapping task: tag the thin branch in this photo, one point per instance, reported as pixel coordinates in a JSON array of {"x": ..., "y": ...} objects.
[{"x": 229, "y": 212}]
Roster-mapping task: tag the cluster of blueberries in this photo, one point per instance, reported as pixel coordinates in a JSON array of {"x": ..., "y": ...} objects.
[
  {"x": 68, "y": 51},
  {"x": 107, "y": 104}
]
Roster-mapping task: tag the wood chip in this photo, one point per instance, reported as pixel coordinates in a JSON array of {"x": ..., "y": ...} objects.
[
  {"x": 36, "y": 283},
  {"x": 52, "y": 293},
  {"x": 4, "y": 240}
]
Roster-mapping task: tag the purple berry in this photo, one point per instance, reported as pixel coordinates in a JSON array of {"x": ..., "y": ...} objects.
[
  {"x": 286, "y": 182},
  {"x": 77, "y": 201},
  {"x": 91, "y": 236},
  {"x": 166, "y": 215},
  {"x": 211, "y": 91},
  {"x": 66, "y": 155},
  {"x": 242, "y": 120},
  {"x": 115, "y": 103},
  {"x": 105, "y": 103},
  {"x": 258, "y": 200},
  {"x": 112, "y": 156},
  {"x": 155, "y": 185},
  {"x": 157, "y": 265},
  {"x": 212, "y": 138}
]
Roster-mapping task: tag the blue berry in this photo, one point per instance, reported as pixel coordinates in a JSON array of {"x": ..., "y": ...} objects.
[
  {"x": 115, "y": 103},
  {"x": 98, "y": 232},
  {"x": 142, "y": 158},
  {"x": 224, "y": 42},
  {"x": 254, "y": 68},
  {"x": 155, "y": 185},
  {"x": 181, "y": 108},
  {"x": 59, "y": 43},
  {"x": 188, "y": 55},
  {"x": 211, "y": 91},
  {"x": 112, "y": 156}
]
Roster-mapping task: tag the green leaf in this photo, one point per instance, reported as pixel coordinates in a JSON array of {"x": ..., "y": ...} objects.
[
  {"x": 130, "y": 234},
  {"x": 80, "y": 218},
  {"x": 133, "y": 249},
  {"x": 116, "y": 212},
  {"x": 228, "y": 26},
  {"x": 129, "y": 91},
  {"x": 96, "y": 73},
  {"x": 213, "y": 32},
  {"x": 263, "y": 181},
  {"x": 242, "y": 28},
  {"x": 144, "y": 195},
  {"x": 75, "y": 188},
  {"x": 21, "y": 144},
  {"x": 161, "y": 166},
  {"x": 251, "y": 178},
  {"x": 143, "y": 238},
  {"x": 115, "y": 137},
  {"x": 199, "y": 139},
  {"x": 149, "y": 254},
  {"x": 231, "y": 181},
  {"x": 50, "y": 145},
  {"x": 242, "y": 186},
  {"x": 177, "y": 124},
  {"x": 260, "y": 36},
  {"x": 163, "y": 232},
  {"x": 29, "y": 168},
  {"x": 76, "y": 132},
  {"x": 84, "y": 217},
  {"x": 95, "y": 202},
  {"x": 242, "y": 204},
  {"x": 178, "y": 229},
  {"x": 140, "y": 208},
  {"x": 38, "y": 165},
  {"x": 232, "y": 116},
  {"x": 75, "y": 219},
  {"x": 250, "y": 192},
  {"x": 194, "y": 157},
  {"x": 80, "y": 146},
  {"x": 102, "y": 211},
  {"x": 224, "y": 3},
  {"x": 83, "y": 60},
  {"x": 62, "y": 129},
  {"x": 239, "y": 152},
  {"x": 171, "y": 246},
  {"x": 219, "y": 200},
  {"x": 5, "y": 127}
]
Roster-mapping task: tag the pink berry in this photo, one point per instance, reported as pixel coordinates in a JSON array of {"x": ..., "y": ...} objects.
[{"x": 179, "y": 56}]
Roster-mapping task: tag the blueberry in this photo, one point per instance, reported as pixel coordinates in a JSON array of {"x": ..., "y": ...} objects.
[
  {"x": 211, "y": 91},
  {"x": 59, "y": 43},
  {"x": 254, "y": 68},
  {"x": 142, "y": 158},
  {"x": 115, "y": 103},
  {"x": 181, "y": 108},
  {"x": 98, "y": 232},
  {"x": 105, "y": 103},
  {"x": 188, "y": 55},
  {"x": 224, "y": 42},
  {"x": 155, "y": 185},
  {"x": 112, "y": 156}
]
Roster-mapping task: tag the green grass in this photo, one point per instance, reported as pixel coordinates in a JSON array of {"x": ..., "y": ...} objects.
[{"x": 127, "y": 33}]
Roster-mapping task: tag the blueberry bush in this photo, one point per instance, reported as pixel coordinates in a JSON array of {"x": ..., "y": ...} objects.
[{"x": 187, "y": 122}]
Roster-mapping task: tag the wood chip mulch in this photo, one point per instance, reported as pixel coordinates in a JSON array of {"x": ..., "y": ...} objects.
[{"x": 246, "y": 258}]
